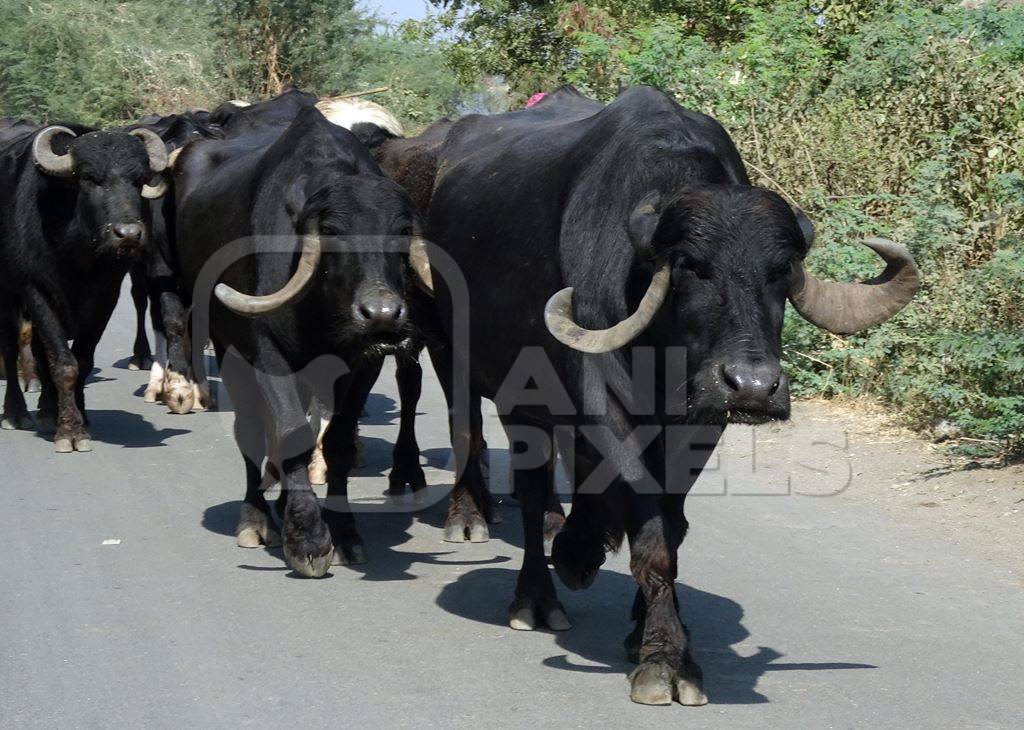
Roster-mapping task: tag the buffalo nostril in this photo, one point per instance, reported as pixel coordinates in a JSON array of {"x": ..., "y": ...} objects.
[
  {"x": 751, "y": 381},
  {"x": 385, "y": 310},
  {"x": 731, "y": 377},
  {"x": 128, "y": 231}
]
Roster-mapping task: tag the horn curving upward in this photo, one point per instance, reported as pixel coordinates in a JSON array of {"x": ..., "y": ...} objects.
[
  {"x": 560, "y": 323},
  {"x": 157, "y": 161},
  {"x": 252, "y": 305},
  {"x": 46, "y": 159},
  {"x": 845, "y": 308},
  {"x": 420, "y": 263}
]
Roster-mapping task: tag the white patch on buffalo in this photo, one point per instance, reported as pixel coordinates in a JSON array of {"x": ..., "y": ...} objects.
[{"x": 349, "y": 112}]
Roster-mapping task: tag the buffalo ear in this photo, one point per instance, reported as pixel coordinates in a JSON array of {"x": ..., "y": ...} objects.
[
  {"x": 806, "y": 228},
  {"x": 295, "y": 198},
  {"x": 643, "y": 222}
]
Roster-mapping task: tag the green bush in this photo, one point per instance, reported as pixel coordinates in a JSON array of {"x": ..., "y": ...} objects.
[
  {"x": 896, "y": 118},
  {"x": 100, "y": 62},
  {"x": 106, "y": 62}
]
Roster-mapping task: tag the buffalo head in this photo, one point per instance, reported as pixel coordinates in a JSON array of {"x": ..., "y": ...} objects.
[
  {"x": 112, "y": 171},
  {"x": 351, "y": 270},
  {"x": 723, "y": 259}
]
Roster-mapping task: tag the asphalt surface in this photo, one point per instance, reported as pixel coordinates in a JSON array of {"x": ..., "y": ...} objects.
[{"x": 126, "y": 603}]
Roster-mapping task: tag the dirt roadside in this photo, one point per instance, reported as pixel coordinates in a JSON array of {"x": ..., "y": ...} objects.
[{"x": 981, "y": 509}]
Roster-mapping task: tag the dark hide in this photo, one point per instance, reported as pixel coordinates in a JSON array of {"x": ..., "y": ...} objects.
[
  {"x": 533, "y": 201},
  {"x": 280, "y": 180},
  {"x": 65, "y": 246},
  {"x": 155, "y": 279}
]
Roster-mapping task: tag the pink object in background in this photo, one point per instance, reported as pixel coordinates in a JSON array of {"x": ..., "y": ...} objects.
[{"x": 536, "y": 98}]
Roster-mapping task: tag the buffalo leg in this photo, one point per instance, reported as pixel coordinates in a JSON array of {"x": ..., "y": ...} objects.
[
  {"x": 307, "y": 539},
  {"x": 470, "y": 508},
  {"x": 15, "y": 413},
  {"x": 405, "y": 461},
  {"x": 536, "y": 600},
  {"x": 175, "y": 378},
  {"x": 339, "y": 450},
  {"x": 26, "y": 362},
  {"x": 93, "y": 317},
  {"x": 62, "y": 378},
  {"x": 255, "y": 522},
  {"x": 578, "y": 549},
  {"x": 157, "y": 372},
  {"x": 142, "y": 356},
  {"x": 666, "y": 668}
]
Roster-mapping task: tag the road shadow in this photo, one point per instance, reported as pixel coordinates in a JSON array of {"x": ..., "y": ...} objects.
[
  {"x": 124, "y": 429},
  {"x": 379, "y": 410},
  {"x": 383, "y": 533},
  {"x": 600, "y": 617}
]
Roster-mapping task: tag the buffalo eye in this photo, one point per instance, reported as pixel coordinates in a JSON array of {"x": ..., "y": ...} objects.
[{"x": 694, "y": 268}]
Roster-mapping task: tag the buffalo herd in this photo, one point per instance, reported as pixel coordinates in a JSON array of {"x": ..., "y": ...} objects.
[{"x": 606, "y": 274}]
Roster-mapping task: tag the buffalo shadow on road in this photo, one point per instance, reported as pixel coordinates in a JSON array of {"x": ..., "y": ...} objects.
[
  {"x": 124, "y": 429},
  {"x": 600, "y": 617},
  {"x": 600, "y": 614},
  {"x": 382, "y": 533}
]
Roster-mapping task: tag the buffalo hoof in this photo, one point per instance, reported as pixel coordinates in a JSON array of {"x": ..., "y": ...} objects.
[
  {"x": 255, "y": 529},
  {"x": 22, "y": 422},
  {"x": 525, "y": 614},
  {"x": 140, "y": 362},
  {"x": 69, "y": 444},
  {"x": 461, "y": 527},
  {"x": 179, "y": 393},
  {"x": 406, "y": 475},
  {"x": 152, "y": 394},
  {"x": 309, "y": 565},
  {"x": 354, "y": 554},
  {"x": 308, "y": 550},
  {"x": 659, "y": 683}
]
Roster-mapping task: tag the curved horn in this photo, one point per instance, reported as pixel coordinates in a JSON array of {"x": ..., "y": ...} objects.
[
  {"x": 154, "y": 148},
  {"x": 157, "y": 161},
  {"x": 172, "y": 158},
  {"x": 845, "y": 308},
  {"x": 44, "y": 156},
  {"x": 559, "y": 321},
  {"x": 152, "y": 192},
  {"x": 253, "y": 305},
  {"x": 420, "y": 263}
]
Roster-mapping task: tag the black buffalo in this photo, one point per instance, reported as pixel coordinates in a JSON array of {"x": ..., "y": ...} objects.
[
  {"x": 155, "y": 280},
  {"x": 301, "y": 179},
  {"x": 591, "y": 240},
  {"x": 72, "y": 219}
]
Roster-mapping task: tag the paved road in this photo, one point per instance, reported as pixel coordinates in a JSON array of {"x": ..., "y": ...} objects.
[{"x": 806, "y": 611}]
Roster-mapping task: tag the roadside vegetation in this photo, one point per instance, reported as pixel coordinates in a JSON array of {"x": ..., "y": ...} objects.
[{"x": 878, "y": 117}]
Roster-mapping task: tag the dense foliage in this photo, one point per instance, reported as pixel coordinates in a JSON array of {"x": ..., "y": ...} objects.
[
  {"x": 108, "y": 61},
  {"x": 885, "y": 117},
  {"x": 889, "y": 117}
]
